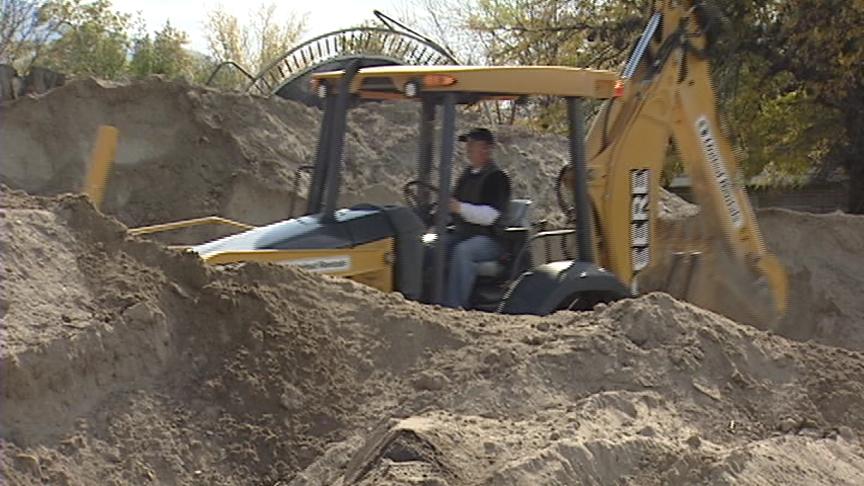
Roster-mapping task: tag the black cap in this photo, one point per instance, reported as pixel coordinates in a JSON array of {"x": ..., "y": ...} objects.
[{"x": 482, "y": 134}]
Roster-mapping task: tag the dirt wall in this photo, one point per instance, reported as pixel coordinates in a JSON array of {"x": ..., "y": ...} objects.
[{"x": 188, "y": 151}]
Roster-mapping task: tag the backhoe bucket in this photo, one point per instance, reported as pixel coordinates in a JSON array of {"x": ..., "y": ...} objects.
[
  {"x": 679, "y": 277},
  {"x": 713, "y": 279},
  {"x": 694, "y": 263}
]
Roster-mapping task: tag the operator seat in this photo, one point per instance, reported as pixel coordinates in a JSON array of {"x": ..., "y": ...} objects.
[{"x": 517, "y": 223}]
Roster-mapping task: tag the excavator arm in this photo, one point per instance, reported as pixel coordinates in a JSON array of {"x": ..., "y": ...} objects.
[{"x": 668, "y": 96}]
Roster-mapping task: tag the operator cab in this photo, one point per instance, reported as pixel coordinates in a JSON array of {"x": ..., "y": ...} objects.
[{"x": 509, "y": 284}]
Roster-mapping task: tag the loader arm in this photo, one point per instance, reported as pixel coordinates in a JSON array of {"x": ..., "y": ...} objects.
[{"x": 668, "y": 96}]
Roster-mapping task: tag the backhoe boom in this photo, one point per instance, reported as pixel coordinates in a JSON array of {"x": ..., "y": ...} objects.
[{"x": 668, "y": 96}]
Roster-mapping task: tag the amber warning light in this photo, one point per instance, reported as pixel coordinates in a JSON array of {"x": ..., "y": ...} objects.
[
  {"x": 619, "y": 89},
  {"x": 438, "y": 80}
]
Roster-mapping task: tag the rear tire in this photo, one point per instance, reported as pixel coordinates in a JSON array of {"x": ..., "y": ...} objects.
[{"x": 582, "y": 301}]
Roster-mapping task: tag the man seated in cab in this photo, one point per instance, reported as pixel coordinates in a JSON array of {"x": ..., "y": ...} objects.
[{"x": 480, "y": 199}]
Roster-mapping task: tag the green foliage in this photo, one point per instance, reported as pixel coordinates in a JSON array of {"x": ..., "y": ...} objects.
[
  {"x": 92, "y": 38},
  {"x": 23, "y": 32},
  {"x": 787, "y": 72},
  {"x": 164, "y": 54},
  {"x": 808, "y": 56},
  {"x": 783, "y": 130},
  {"x": 253, "y": 45},
  {"x": 595, "y": 33},
  {"x": 779, "y": 126},
  {"x": 554, "y": 32}
]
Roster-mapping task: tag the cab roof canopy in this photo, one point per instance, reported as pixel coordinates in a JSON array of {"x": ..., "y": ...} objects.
[{"x": 474, "y": 83}]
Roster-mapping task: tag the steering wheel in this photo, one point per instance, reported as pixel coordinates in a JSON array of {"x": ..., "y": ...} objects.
[
  {"x": 426, "y": 211},
  {"x": 564, "y": 182}
]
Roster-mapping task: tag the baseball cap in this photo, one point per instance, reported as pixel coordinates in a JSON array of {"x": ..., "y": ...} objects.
[{"x": 482, "y": 134}]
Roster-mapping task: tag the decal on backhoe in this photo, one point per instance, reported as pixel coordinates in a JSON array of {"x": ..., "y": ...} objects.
[
  {"x": 721, "y": 174},
  {"x": 322, "y": 264},
  {"x": 640, "y": 236}
]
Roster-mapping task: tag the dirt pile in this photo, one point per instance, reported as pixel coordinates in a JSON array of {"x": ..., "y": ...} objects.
[
  {"x": 150, "y": 367},
  {"x": 123, "y": 362},
  {"x": 824, "y": 257},
  {"x": 189, "y": 151}
]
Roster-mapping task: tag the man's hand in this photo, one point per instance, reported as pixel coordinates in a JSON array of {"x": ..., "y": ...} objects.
[{"x": 455, "y": 206}]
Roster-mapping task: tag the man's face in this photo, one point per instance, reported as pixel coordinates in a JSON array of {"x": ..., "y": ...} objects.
[{"x": 478, "y": 152}]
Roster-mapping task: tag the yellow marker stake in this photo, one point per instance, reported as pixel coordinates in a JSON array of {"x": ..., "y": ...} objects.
[{"x": 101, "y": 160}]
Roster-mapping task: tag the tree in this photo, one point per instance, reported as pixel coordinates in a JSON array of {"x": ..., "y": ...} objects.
[
  {"x": 24, "y": 31},
  {"x": 164, "y": 54},
  {"x": 444, "y": 21},
  {"x": 554, "y": 32},
  {"x": 800, "y": 75},
  {"x": 820, "y": 45},
  {"x": 253, "y": 45},
  {"x": 558, "y": 31},
  {"x": 792, "y": 69},
  {"x": 18, "y": 19},
  {"x": 92, "y": 39}
]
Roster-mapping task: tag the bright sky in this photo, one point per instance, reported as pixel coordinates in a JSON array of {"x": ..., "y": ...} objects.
[{"x": 322, "y": 15}]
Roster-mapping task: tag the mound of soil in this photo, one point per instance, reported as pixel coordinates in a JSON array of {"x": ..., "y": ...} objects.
[
  {"x": 125, "y": 362},
  {"x": 188, "y": 151},
  {"x": 151, "y": 368},
  {"x": 824, "y": 257}
]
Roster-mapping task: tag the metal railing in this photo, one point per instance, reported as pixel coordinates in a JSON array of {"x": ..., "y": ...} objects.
[
  {"x": 378, "y": 43},
  {"x": 374, "y": 42},
  {"x": 225, "y": 64}
]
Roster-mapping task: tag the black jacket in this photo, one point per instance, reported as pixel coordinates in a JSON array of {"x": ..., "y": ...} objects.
[{"x": 488, "y": 187}]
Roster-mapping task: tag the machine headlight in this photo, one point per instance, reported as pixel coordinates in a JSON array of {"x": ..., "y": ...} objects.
[{"x": 411, "y": 89}]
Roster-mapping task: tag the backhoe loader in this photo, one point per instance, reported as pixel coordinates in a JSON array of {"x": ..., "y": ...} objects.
[
  {"x": 610, "y": 188},
  {"x": 385, "y": 246}
]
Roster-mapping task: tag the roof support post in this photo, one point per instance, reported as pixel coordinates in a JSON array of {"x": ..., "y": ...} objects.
[
  {"x": 424, "y": 154},
  {"x": 584, "y": 231},
  {"x": 319, "y": 174},
  {"x": 445, "y": 171},
  {"x": 340, "y": 119}
]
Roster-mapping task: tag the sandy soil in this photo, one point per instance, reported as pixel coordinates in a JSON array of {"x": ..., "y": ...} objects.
[
  {"x": 188, "y": 151},
  {"x": 236, "y": 155},
  {"x": 174, "y": 373},
  {"x": 124, "y": 362},
  {"x": 824, "y": 256}
]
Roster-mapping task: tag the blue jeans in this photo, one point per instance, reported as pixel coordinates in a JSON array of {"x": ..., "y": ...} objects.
[{"x": 462, "y": 254}]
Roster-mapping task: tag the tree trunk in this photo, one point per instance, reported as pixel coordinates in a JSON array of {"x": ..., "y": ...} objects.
[
  {"x": 854, "y": 156},
  {"x": 40, "y": 80},
  {"x": 7, "y": 82},
  {"x": 856, "y": 182}
]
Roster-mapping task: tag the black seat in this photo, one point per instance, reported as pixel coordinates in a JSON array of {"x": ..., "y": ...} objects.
[{"x": 517, "y": 225}]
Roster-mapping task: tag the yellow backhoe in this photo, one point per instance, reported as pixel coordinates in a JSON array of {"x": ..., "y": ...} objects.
[{"x": 610, "y": 188}]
